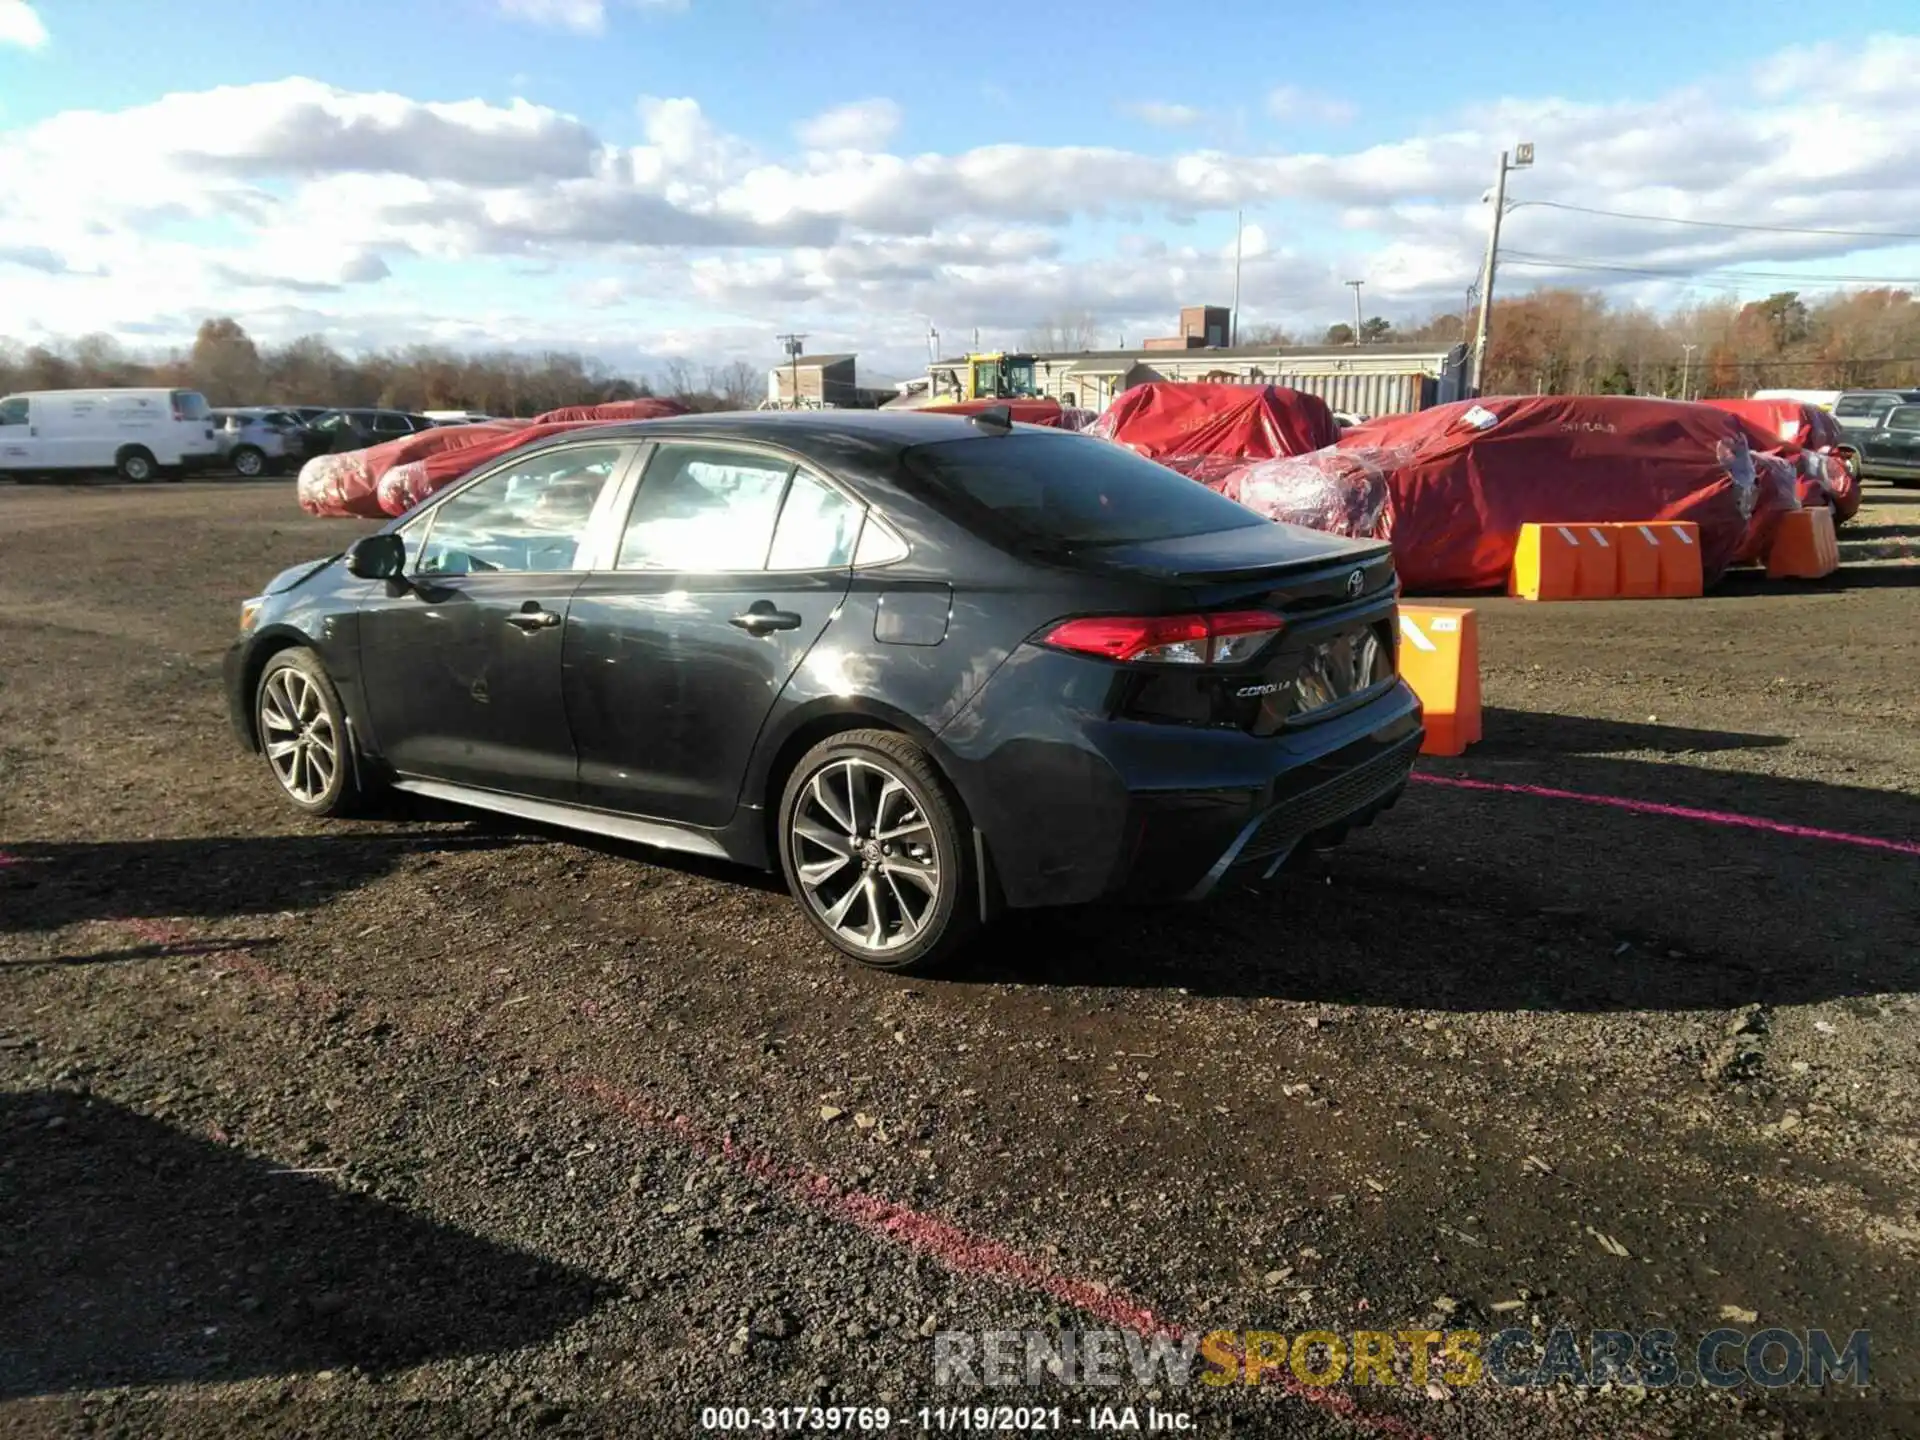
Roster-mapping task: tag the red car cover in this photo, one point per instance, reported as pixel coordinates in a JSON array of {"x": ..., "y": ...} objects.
[
  {"x": 650, "y": 407},
  {"x": 1461, "y": 479},
  {"x": 1807, "y": 426},
  {"x": 1048, "y": 412},
  {"x": 392, "y": 477},
  {"x": 1206, "y": 431}
]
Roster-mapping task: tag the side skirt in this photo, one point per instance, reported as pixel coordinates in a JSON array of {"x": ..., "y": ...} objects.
[{"x": 570, "y": 817}]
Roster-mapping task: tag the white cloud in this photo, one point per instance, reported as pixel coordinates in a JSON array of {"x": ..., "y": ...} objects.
[
  {"x": 21, "y": 25},
  {"x": 861, "y": 124},
  {"x": 1164, "y": 113},
  {"x": 1289, "y": 102},
  {"x": 283, "y": 201}
]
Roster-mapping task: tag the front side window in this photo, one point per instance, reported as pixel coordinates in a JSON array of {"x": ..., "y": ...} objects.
[
  {"x": 388, "y": 423},
  {"x": 704, "y": 508},
  {"x": 531, "y": 517},
  {"x": 189, "y": 405},
  {"x": 13, "y": 412}
]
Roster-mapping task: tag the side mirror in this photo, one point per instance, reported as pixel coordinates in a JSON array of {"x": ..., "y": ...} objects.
[{"x": 377, "y": 557}]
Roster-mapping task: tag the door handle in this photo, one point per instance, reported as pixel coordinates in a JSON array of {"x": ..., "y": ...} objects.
[
  {"x": 531, "y": 618},
  {"x": 761, "y": 618}
]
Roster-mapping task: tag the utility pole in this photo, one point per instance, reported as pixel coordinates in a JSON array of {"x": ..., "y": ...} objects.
[
  {"x": 1521, "y": 158},
  {"x": 1239, "y": 233},
  {"x": 933, "y": 343},
  {"x": 1356, "y": 284},
  {"x": 793, "y": 344},
  {"x": 1686, "y": 367}
]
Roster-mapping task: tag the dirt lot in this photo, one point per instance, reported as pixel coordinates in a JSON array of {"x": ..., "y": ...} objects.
[{"x": 424, "y": 1124}]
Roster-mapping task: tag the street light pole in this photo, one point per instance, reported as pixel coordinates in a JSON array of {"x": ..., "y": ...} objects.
[
  {"x": 1521, "y": 158},
  {"x": 1356, "y": 284}
]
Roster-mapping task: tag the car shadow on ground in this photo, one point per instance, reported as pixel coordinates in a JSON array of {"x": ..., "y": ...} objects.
[
  {"x": 136, "y": 1254},
  {"x": 1506, "y": 898},
  {"x": 46, "y": 886}
]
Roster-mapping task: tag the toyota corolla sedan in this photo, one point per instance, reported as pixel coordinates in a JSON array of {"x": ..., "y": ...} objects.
[{"x": 927, "y": 667}]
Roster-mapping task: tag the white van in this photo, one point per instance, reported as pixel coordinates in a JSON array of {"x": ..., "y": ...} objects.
[{"x": 140, "y": 434}]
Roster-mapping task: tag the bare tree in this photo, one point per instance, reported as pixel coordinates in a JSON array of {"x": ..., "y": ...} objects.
[
  {"x": 737, "y": 384},
  {"x": 1066, "y": 333}
]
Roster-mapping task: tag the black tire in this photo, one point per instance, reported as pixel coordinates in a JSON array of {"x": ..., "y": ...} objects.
[
  {"x": 135, "y": 465},
  {"x": 935, "y": 839},
  {"x": 249, "y": 461},
  {"x": 294, "y": 686}
]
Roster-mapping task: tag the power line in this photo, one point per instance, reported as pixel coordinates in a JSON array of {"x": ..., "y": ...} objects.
[
  {"x": 1535, "y": 260},
  {"x": 1723, "y": 224}
]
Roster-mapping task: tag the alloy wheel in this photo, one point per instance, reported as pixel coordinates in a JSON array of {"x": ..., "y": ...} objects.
[
  {"x": 864, "y": 854},
  {"x": 299, "y": 736}
]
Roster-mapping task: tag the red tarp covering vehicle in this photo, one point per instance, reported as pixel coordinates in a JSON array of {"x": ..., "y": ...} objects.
[
  {"x": 1451, "y": 486},
  {"x": 1205, "y": 431},
  {"x": 1809, "y": 438},
  {"x": 394, "y": 476},
  {"x": 1794, "y": 421},
  {"x": 1048, "y": 412}
]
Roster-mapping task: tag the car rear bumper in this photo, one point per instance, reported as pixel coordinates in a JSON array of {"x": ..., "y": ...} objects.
[{"x": 1133, "y": 811}]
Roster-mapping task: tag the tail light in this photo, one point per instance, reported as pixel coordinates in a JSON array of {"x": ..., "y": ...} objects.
[{"x": 1227, "y": 638}]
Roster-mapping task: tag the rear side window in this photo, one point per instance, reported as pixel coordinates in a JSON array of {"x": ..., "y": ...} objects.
[
  {"x": 1065, "y": 492},
  {"x": 388, "y": 423},
  {"x": 189, "y": 404},
  {"x": 817, "y": 530},
  {"x": 704, "y": 508},
  {"x": 1907, "y": 417}
]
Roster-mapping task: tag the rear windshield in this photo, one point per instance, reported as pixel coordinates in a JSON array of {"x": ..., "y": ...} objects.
[
  {"x": 1852, "y": 406},
  {"x": 1907, "y": 417},
  {"x": 1067, "y": 492}
]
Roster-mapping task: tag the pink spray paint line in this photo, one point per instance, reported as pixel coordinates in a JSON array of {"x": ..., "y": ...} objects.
[
  {"x": 1676, "y": 812},
  {"x": 961, "y": 1251}
]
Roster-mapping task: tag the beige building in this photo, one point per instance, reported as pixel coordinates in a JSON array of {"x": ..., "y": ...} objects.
[{"x": 1356, "y": 379}]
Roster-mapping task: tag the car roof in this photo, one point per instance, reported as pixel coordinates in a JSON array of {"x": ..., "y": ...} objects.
[{"x": 829, "y": 436}]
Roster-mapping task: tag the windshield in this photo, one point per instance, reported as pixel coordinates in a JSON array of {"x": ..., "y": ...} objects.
[{"x": 1064, "y": 492}]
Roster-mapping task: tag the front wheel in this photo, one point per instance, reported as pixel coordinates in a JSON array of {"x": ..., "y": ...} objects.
[
  {"x": 135, "y": 465},
  {"x": 303, "y": 732},
  {"x": 872, "y": 841}
]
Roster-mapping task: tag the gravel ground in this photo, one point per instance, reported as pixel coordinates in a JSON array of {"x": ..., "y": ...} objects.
[{"x": 425, "y": 1124}]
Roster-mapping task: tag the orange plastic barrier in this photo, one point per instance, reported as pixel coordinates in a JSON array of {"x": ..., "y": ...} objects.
[
  {"x": 1440, "y": 659},
  {"x": 1638, "y": 549},
  {"x": 1804, "y": 547},
  {"x": 1679, "y": 542},
  {"x": 1564, "y": 562}
]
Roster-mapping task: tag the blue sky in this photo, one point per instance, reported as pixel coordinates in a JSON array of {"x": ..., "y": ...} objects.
[{"x": 1355, "y": 140}]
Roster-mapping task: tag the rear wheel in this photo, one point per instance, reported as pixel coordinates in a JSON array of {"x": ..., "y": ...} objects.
[
  {"x": 249, "y": 462},
  {"x": 872, "y": 841},
  {"x": 303, "y": 733},
  {"x": 135, "y": 465}
]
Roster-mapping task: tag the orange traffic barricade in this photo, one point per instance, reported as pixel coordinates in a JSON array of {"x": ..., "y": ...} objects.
[
  {"x": 1637, "y": 552},
  {"x": 1440, "y": 659},
  {"x": 1804, "y": 547},
  {"x": 1679, "y": 543},
  {"x": 1563, "y": 562}
]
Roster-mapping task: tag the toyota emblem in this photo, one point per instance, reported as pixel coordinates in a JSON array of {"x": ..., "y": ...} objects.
[{"x": 1356, "y": 582}]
